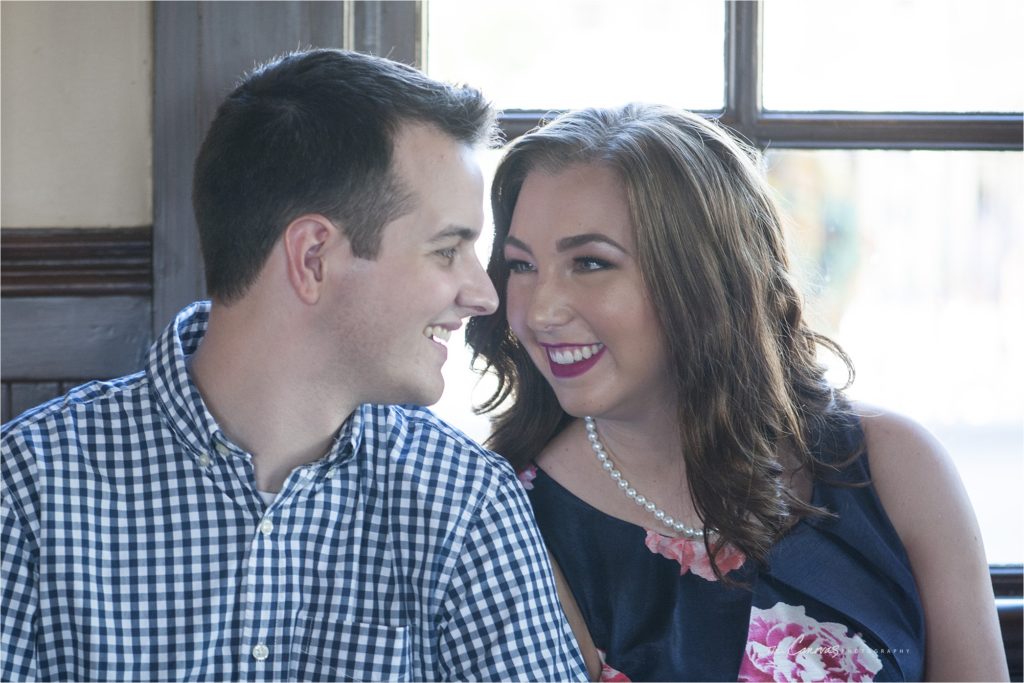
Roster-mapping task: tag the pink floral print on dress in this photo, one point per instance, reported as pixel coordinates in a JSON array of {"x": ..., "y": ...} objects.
[
  {"x": 611, "y": 674},
  {"x": 692, "y": 556},
  {"x": 526, "y": 476},
  {"x": 784, "y": 644}
]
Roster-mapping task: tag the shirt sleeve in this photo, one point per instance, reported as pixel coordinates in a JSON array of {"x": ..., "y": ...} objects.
[
  {"x": 18, "y": 595},
  {"x": 502, "y": 618}
]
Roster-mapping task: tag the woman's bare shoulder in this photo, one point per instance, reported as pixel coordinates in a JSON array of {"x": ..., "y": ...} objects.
[
  {"x": 908, "y": 468},
  {"x": 928, "y": 505}
]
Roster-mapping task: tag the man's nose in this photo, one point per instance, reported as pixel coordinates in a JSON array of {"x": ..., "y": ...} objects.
[{"x": 478, "y": 296}]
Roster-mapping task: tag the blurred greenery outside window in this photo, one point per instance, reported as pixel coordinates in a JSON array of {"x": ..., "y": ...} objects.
[{"x": 892, "y": 135}]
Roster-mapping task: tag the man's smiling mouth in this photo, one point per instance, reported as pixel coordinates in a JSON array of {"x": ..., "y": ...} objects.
[{"x": 436, "y": 333}]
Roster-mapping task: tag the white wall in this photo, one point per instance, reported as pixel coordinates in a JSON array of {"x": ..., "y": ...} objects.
[{"x": 76, "y": 88}]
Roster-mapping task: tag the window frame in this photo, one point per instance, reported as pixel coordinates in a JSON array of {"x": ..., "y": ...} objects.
[{"x": 744, "y": 113}]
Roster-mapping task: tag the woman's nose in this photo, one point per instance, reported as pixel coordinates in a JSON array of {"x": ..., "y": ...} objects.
[{"x": 548, "y": 306}]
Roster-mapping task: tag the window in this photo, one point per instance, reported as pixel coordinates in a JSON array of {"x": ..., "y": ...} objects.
[
  {"x": 521, "y": 55},
  {"x": 908, "y": 55},
  {"x": 894, "y": 140},
  {"x": 919, "y": 280}
]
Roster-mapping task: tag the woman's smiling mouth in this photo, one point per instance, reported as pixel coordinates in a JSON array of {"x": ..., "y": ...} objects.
[{"x": 572, "y": 360}]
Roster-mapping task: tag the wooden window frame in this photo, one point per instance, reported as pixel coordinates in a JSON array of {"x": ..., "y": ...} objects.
[{"x": 820, "y": 130}]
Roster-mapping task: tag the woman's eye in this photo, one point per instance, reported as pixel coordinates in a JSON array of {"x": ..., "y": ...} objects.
[
  {"x": 517, "y": 266},
  {"x": 588, "y": 263}
]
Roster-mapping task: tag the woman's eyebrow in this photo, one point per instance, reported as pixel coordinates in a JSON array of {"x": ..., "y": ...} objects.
[
  {"x": 518, "y": 244},
  {"x": 570, "y": 242},
  {"x": 567, "y": 243}
]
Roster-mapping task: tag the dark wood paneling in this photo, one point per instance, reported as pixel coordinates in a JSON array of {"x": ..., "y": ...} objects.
[
  {"x": 1008, "y": 585},
  {"x": 17, "y": 397},
  {"x": 25, "y": 395},
  {"x": 75, "y": 262},
  {"x": 392, "y": 29},
  {"x": 177, "y": 127},
  {"x": 1011, "y": 623},
  {"x": 201, "y": 50},
  {"x": 1007, "y": 580},
  {"x": 60, "y": 339},
  {"x": 5, "y": 402}
]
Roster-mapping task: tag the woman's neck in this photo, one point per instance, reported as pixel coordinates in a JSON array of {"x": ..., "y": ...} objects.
[{"x": 648, "y": 442}]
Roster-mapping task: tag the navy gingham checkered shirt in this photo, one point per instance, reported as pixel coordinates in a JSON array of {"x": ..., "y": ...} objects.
[{"x": 136, "y": 547}]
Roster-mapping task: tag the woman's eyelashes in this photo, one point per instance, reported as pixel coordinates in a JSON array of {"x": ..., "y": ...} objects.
[
  {"x": 518, "y": 265},
  {"x": 591, "y": 263},
  {"x": 580, "y": 264}
]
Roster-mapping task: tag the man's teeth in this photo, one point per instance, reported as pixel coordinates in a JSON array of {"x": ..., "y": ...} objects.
[
  {"x": 567, "y": 356},
  {"x": 437, "y": 333}
]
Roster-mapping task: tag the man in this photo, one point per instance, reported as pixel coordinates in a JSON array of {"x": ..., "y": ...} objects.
[{"x": 253, "y": 506}]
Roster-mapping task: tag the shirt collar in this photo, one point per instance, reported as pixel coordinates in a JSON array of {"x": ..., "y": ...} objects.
[
  {"x": 173, "y": 390},
  {"x": 350, "y": 436}
]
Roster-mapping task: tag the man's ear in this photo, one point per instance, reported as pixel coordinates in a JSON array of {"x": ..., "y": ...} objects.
[{"x": 307, "y": 239}]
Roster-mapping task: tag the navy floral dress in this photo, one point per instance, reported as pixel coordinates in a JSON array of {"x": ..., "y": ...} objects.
[{"x": 835, "y": 601}]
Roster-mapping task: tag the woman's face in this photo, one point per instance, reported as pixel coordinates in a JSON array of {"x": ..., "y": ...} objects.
[{"x": 576, "y": 300}]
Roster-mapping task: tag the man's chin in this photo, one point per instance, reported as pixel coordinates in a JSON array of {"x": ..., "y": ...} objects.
[
  {"x": 432, "y": 399},
  {"x": 422, "y": 389},
  {"x": 425, "y": 396}
]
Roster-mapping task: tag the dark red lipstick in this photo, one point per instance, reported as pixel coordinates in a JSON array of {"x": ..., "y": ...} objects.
[{"x": 571, "y": 369}]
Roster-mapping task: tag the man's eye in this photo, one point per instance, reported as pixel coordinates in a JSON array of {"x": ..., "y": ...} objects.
[
  {"x": 588, "y": 263},
  {"x": 517, "y": 266},
  {"x": 448, "y": 254}
]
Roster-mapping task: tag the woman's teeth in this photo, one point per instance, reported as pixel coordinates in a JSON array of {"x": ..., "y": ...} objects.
[
  {"x": 438, "y": 334},
  {"x": 568, "y": 356}
]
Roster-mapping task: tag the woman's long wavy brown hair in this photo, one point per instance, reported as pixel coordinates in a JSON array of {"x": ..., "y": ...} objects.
[{"x": 713, "y": 257}]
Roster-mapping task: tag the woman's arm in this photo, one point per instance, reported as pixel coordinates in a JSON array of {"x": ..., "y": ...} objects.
[
  {"x": 922, "y": 493},
  {"x": 579, "y": 627}
]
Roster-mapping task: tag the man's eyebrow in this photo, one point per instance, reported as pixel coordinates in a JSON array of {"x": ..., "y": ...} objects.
[
  {"x": 463, "y": 233},
  {"x": 567, "y": 243}
]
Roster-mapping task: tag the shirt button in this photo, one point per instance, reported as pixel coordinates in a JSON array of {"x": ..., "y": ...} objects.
[
  {"x": 266, "y": 526},
  {"x": 331, "y": 472},
  {"x": 260, "y": 652},
  {"x": 223, "y": 450},
  {"x": 204, "y": 460}
]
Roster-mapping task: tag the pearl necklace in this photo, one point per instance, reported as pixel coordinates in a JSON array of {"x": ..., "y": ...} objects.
[{"x": 632, "y": 493}]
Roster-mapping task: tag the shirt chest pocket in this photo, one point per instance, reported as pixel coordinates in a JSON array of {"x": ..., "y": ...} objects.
[{"x": 352, "y": 652}]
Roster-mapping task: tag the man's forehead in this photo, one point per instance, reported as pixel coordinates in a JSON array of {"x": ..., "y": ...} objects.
[
  {"x": 416, "y": 141},
  {"x": 424, "y": 156}
]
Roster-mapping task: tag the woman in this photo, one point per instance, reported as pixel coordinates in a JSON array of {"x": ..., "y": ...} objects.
[{"x": 717, "y": 509}]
